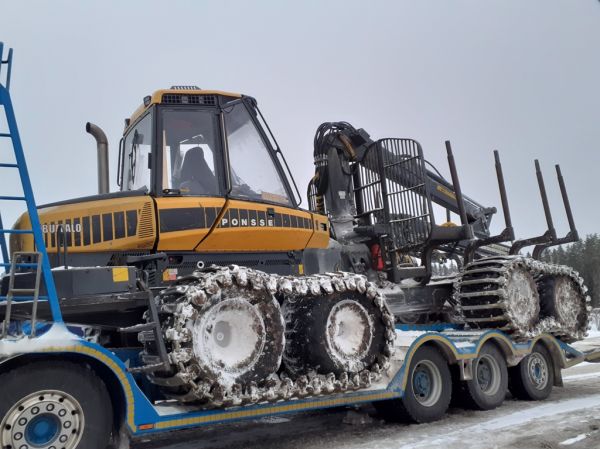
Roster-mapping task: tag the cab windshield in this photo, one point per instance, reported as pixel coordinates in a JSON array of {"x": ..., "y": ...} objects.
[{"x": 253, "y": 172}]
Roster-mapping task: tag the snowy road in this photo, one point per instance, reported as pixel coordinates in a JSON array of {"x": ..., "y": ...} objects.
[{"x": 570, "y": 418}]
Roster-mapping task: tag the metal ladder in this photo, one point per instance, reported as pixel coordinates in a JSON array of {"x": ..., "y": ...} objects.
[{"x": 37, "y": 260}]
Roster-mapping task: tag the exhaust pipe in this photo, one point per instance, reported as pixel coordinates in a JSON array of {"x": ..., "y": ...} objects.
[{"x": 102, "y": 146}]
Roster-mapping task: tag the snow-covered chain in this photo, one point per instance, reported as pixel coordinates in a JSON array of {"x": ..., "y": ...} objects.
[
  {"x": 186, "y": 300},
  {"x": 493, "y": 278}
]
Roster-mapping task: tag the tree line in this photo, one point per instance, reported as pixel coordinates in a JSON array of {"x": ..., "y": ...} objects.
[{"x": 583, "y": 256}]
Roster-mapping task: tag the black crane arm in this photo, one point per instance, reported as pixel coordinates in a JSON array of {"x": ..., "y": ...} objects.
[{"x": 339, "y": 146}]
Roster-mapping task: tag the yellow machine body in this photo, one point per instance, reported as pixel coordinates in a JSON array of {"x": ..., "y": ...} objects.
[{"x": 175, "y": 224}]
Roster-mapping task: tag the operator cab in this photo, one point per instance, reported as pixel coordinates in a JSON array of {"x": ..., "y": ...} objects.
[{"x": 191, "y": 142}]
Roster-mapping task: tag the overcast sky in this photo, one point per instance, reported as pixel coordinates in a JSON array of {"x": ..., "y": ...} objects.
[{"x": 518, "y": 76}]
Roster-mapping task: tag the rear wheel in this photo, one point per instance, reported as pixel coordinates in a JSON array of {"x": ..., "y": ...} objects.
[
  {"x": 533, "y": 378},
  {"x": 561, "y": 298},
  {"x": 342, "y": 332},
  {"x": 47, "y": 405},
  {"x": 428, "y": 390},
  {"x": 487, "y": 389}
]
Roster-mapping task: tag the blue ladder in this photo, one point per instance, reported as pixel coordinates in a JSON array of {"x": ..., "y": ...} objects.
[{"x": 28, "y": 198}]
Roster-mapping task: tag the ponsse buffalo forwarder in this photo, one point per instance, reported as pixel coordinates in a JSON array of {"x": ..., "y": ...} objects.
[{"x": 202, "y": 292}]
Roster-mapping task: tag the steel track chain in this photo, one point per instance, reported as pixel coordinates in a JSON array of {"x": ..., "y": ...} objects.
[
  {"x": 482, "y": 288},
  {"x": 184, "y": 301}
]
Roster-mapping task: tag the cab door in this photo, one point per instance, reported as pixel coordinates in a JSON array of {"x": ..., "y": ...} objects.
[
  {"x": 259, "y": 214},
  {"x": 191, "y": 183}
]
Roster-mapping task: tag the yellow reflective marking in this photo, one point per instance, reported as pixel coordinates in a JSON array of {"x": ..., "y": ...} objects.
[
  {"x": 113, "y": 366},
  {"x": 271, "y": 410},
  {"x": 120, "y": 274}
]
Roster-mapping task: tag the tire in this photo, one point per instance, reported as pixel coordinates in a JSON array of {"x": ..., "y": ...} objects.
[
  {"x": 59, "y": 400},
  {"x": 430, "y": 374},
  {"x": 244, "y": 322},
  {"x": 561, "y": 298},
  {"x": 487, "y": 389},
  {"x": 225, "y": 328},
  {"x": 533, "y": 378},
  {"x": 318, "y": 337}
]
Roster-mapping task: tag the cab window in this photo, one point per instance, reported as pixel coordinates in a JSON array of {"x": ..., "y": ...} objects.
[
  {"x": 137, "y": 150},
  {"x": 253, "y": 173},
  {"x": 189, "y": 152}
]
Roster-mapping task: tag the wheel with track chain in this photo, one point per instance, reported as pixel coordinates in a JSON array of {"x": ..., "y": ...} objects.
[
  {"x": 523, "y": 297},
  {"x": 224, "y": 334}
]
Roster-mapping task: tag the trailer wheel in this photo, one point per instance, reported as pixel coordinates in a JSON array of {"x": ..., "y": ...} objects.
[
  {"x": 533, "y": 378},
  {"x": 487, "y": 389},
  {"x": 428, "y": 390},
  {"x": 47, "y": 405}
]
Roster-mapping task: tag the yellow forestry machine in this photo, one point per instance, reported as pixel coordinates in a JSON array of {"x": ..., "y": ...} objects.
[{"x": 234, "y": 294}]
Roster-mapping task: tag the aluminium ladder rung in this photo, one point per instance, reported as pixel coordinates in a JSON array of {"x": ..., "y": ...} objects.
[
  {"x": 3, "y": 165},
  {"x": 22, "y": 290},
  {"x": 16, "y": 231},
  {"x": 5, "y": 135}
]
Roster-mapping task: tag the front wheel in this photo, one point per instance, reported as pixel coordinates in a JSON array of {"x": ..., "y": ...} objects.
[
  {"x": 47, "y": 405},
  {"x": 533, "y": 378},
  {"x": 428, "y": 390}
]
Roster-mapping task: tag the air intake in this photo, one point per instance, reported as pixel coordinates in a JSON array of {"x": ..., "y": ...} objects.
[{"x": 206, "y": 100}]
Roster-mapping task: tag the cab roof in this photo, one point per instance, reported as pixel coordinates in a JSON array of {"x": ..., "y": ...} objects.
[{"x": 180, "y": 95}]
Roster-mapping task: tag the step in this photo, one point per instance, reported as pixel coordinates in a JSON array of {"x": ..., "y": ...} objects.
[
  {"x": 5, "y": 135},
  {"x": 22, "y": 290},
  {"x": 8, "y": 165},
  {"x": 12, "y": 198},
  {"x": 16, "y": 231}
]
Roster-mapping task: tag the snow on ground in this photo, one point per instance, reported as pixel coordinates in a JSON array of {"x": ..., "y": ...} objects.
[{"x": 570, "y": 418}]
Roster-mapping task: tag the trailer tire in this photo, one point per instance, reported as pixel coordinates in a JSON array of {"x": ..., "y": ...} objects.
[
  {"x": 487, "y": 389},
  {"x": 533, "y": 378},
  {"x": 428, "y": 390},
  {"x": 47, "y": 404}
]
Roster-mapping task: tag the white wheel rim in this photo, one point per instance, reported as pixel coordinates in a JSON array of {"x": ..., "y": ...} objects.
[
  {"x": 426, "y": 382},
  {"x": 229, "y": 338},
  {"x": 349, "y": 334},
  {"x": 46, "y": 419}
]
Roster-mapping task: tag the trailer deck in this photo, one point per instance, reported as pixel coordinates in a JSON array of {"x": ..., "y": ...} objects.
[{"x": 143, "y": 416}]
